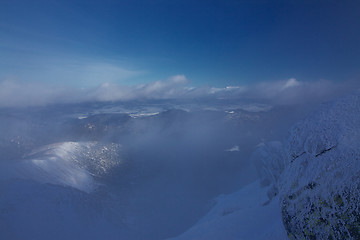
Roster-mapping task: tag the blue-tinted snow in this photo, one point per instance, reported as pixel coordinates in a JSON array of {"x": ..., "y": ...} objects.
[{"x": 118, "y": 170}]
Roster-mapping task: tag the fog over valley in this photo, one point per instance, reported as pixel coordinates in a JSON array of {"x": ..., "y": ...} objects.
[
  {"x": 179, "y": 120},
  {"x": 146, "y": 168}
]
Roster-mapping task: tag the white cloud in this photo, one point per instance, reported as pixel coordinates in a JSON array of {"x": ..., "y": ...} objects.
[
  {"x": 69, "y": 70},
  {"x": 94, "y": 73},
  {"x": 181, "y": 79},
  {"x": 13, "y": 94},
  {"x": 273, "y": 88},
  {"x": 229, "y": 90},
  {"x": 290, "y": 91},
  {"x": 292, "y": 82},
  {"x": 174, "y": 87},
  {"x": 233, "y": 149}
]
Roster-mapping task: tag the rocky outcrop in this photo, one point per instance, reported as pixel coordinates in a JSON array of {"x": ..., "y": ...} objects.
[{"x": 320, "y": 185}]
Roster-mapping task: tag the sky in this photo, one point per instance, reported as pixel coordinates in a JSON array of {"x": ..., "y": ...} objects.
[{"x": 88, "y": 43}]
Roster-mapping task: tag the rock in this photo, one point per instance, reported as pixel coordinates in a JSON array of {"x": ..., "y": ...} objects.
[{"x": 320, "y": 186}]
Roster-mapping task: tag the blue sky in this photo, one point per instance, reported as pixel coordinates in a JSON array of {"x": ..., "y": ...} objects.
[{"x": 217, "y": 43}]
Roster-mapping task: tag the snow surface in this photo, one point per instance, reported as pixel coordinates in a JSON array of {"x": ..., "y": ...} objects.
[
  {"x": 314, "y": 175},
  {"x": 319, "y": 187},
  {"x": 66, "y": 164},
  {"x": 325, "y": 146},
  {"x": 245, "y": 214},
  {"x": 66, "y": 190}
]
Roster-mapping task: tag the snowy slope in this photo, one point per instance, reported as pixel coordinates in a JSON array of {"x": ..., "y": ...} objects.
[
  {"x": 245, "y": 214},
  {"x": 175, "y": 164},
  {"x": 53, "y": 193},
  {"x": 314, "y": 174},
  {"x": 73, "y": 164}
]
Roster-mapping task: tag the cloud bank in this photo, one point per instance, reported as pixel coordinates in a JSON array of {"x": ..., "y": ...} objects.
[{"x": 291, "y": 91}]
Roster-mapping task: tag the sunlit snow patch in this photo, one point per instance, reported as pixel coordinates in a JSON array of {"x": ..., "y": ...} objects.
[{"x": 73, "y": 164}]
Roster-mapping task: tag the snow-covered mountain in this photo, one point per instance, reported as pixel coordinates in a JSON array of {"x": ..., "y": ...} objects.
[
  {"x": 245, "y": 214},
  {"x": 162, "y": 171},
  {"x": 319, "y": 188},
  {"x": 72, "y": 164},
  {"x": 308, "y": 187},
  {"x": 133, "y": 169}
]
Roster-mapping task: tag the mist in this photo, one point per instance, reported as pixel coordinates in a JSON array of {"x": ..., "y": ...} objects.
[
  {"x": 17, "y": 94},
  {"x": 148, "y": 166}
]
